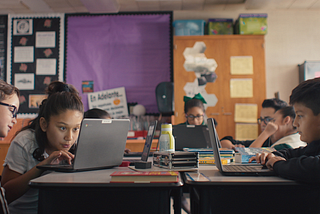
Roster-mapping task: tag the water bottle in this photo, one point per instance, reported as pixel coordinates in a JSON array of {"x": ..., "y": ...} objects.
[{"x": 166, "y": 140}]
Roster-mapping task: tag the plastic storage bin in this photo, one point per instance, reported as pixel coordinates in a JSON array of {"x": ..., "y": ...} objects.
[
  {"x": 309, "y": 70},
  {"x": 220, "y": 27},
  {"x": 189, "y": 27},
  {"x": 251, "y": 24}
]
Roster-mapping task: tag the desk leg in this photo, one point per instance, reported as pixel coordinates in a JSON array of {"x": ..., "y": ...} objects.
[
  {"x": 177, "y": 200},
  {"x": 200, "y": 201}
]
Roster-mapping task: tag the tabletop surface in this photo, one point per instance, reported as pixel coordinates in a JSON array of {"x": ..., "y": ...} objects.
[
  {"x": 93, "y": 178},
  {"x": 209, "y": 175}
]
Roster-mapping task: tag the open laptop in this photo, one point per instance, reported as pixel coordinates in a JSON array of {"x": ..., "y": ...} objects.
[
  {"x": 190, "y": 136},
  {"x": 100, "y": 145},
  {"x": 248, "y": 170},
  {"x": 143, "y": 156}
]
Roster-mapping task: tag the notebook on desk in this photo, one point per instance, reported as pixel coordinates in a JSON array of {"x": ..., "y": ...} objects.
[
  {"x": 143, "y": 156},
  {"x": 238, "y": 170},
  {"x": 190, "y": 136},
  {"x": 100, "y": 145}
]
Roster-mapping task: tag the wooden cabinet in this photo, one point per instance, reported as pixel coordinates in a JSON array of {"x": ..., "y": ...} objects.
[
  {"x": 221, "y": 48},
  {"x": 138, "y": 145}
]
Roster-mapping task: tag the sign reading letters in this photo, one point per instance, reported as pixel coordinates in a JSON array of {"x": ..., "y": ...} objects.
[{"x": 114, "y": 101}]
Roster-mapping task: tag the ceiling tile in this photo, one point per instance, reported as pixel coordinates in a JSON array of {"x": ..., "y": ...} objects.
[
  {"x": 75, "y": 3},
  {"x": 170, "y": 5},
  {"x": 148, "y": 6},
  {"x": 37, "y": 6},
  {"x": 80, "y": 9},
  {"x": 225, "y": 1},
  {"x": 302, "y": 4},
  {"x": 192, "y": 4},
  {"x": 256, "y": 4},
  {"x": 316, "y": 5},
  {"x": 129, "y": 7}
]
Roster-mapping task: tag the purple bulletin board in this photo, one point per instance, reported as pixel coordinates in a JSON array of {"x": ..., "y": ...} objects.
[{"x": 131, "y": 50}]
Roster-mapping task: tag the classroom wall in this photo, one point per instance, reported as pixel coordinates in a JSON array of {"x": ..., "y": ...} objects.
[{"x": 293, "y": 37}]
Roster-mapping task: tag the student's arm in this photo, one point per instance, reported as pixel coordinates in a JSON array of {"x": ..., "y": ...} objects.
[
  {"x": 230, "y": 143},
  {"x": 17, "y": 184},
  {"x": 270, "y": 129},
  {"x": 301, "y": 164},
  {"x": 303, "y": 169},
  {"x": 227, "y": 144}
]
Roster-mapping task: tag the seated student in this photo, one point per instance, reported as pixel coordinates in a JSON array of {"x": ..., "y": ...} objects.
[
  {"x": 281, "y": 131},
  {"x": 195, "y": 115},
  {"x": 9, "y": 105},
  {"x": 301, "y": 164},
  {"x": 97, "y": 113},
  {"x": 194, "y": 110},
  {"x": 45, "y": 140},
  {"x": 269, "y": 107}
]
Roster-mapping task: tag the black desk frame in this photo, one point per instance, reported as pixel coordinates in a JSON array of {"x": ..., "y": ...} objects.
[
  {"x": 206, "y": 197},
  {"x": 108, "y": 200}
]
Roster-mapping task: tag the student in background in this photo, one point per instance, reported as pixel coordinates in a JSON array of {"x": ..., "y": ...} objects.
[
  {"x": 194, "y": 110},
  {"x": 9, "y": 105},
  {"x": 100, "y": 114},
  {"x": 45, "y": 140},
  {"x": 195, "y": 115},
  {"x": 301, "y": 164},
  {"x": 97, "y": 113},
  {"x": 281, "y": 131},
  {"x": 269, "y": 107}
]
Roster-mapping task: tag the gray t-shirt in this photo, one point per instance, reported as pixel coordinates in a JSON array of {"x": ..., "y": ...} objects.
[{"x": 19, "y": 159}]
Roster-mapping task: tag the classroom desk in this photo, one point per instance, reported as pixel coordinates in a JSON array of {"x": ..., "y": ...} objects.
[
  {"x": 216, "y": 193},
  {"x": 92, "y": 192}
]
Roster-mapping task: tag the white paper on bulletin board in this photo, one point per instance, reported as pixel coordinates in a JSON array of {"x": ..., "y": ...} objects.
[
  {"x": 246, "y": 131},
  {"x": 241, "y": 88},
  {"x": 241, "y": 65},
  {"x": 114, "y": 101},
  {"x": 245, "y": 113}
]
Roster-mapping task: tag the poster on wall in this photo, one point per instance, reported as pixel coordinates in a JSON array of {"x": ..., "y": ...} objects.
[
  {"x": 35, "y": 56},
  {"x": 114, "y": 101}
]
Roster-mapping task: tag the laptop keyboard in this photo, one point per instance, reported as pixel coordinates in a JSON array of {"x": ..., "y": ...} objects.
[{"x": 239, "y": 168}]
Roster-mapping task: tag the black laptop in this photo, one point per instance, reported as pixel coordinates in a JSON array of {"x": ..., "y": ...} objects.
[
  {"x": 190, "y": 136},
  {"x": 143, "y": 156},
  {"x": 100, "y": 145},
  {"x": 238, "y": 170}
]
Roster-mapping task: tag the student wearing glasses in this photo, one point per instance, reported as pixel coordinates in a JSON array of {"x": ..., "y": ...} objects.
[
  {"x": 195, "y": 115},
  {"x": 9, "y": 105},
  {"x": 194, "y": 110},
  {"x": 280, "y": 131},
  {"x": 269, "y": 107}
]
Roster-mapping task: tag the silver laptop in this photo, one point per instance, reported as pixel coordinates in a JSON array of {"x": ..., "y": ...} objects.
[
  {"x": 101, "y": 144},
  {"x": 248, "y": 170}
]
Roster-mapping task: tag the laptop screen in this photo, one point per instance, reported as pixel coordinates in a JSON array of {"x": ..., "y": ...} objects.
[
  {"x": 215, "y": 142},
  {"x": 148, "y": 143}
]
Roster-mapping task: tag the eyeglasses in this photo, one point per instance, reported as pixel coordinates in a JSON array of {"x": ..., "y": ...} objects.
[
  {"x": 266, "y": 120},
  {"x": 12, "y": 108},
  {"x": 192, "y": 117}
]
